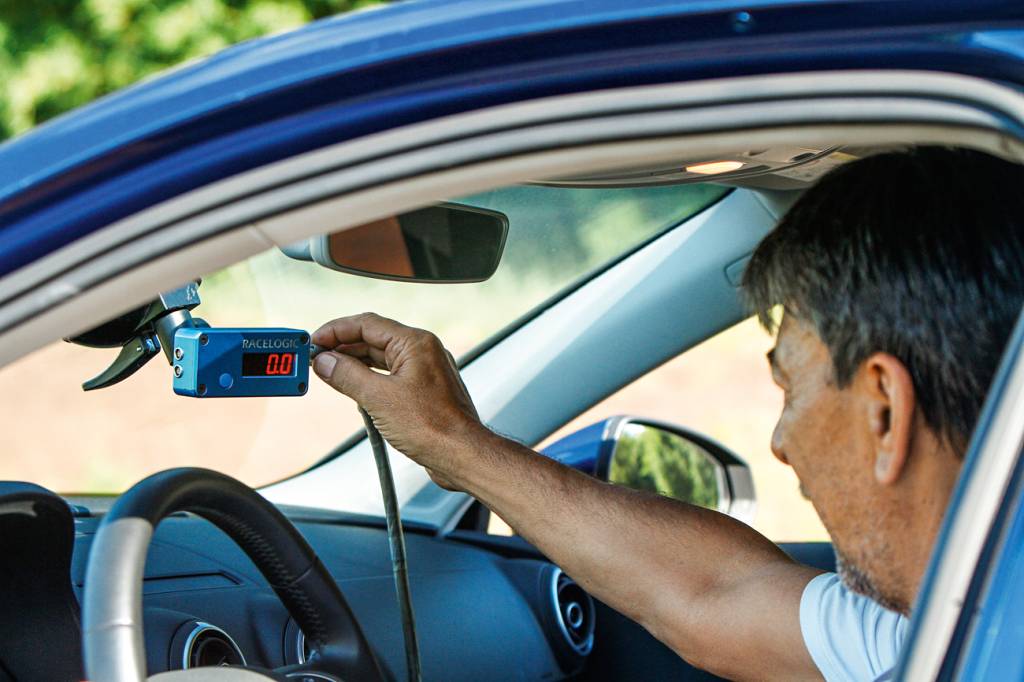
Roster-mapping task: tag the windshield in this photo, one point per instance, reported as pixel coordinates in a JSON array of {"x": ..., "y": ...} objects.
[{"x": 106, "y": 440}]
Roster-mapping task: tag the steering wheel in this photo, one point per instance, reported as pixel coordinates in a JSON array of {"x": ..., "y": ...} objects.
[{"x": 112, "y": 604}]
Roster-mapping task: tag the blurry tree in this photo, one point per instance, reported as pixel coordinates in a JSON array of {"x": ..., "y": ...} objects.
[
  {"x": 651, "y": 459},
  {"x": 58, "y": 54}
]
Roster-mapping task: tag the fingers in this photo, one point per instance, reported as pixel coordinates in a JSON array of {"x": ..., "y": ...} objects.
[
  {"x": 368, "y": 328},
  {"x": 348, "y": 375},
  {"x": 374, "y": 357}
]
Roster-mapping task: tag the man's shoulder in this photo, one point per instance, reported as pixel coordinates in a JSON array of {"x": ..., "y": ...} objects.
[{"x": 849, "y": 636}]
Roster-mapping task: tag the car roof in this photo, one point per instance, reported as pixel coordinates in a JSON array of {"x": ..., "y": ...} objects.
[
  {"x": 363, "y": 72},
  {"x": 249, "y": 70}
]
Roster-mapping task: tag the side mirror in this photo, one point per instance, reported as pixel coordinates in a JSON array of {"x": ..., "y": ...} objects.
[
  {"x": 663, "y": 458},
  {"x": 446, "y": 243}
]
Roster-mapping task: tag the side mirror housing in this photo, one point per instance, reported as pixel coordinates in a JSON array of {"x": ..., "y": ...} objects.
[
  {"x": 445, "y": 243},
  {"x": 664, "y": 458}
]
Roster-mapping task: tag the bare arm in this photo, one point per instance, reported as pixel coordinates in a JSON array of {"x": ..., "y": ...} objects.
[{"x": 720, "y": 594}]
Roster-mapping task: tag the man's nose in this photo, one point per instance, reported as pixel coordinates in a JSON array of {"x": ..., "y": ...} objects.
[{"x": 777, "y": 448}]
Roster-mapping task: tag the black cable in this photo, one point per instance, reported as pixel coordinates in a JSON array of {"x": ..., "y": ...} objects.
[{"x": 396, "y": 540}]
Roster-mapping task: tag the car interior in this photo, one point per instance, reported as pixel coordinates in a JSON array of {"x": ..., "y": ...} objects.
[{"x": 487, "y": 607}]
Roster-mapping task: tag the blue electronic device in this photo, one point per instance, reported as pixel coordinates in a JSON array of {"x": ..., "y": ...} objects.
[{"x": 211, "y": 362}]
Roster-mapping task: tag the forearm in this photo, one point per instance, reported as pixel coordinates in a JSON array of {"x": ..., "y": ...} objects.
[
  {"x": 711, "y": 588},
  {"x": 659, "y": 561}
]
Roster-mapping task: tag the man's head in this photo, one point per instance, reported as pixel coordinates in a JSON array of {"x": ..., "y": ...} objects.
[{"x": 901, "y": 276}]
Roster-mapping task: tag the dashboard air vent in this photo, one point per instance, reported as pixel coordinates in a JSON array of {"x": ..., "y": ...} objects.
[
  {"x": 574, "y": 612},
  {"x": 208, "y": 645}
]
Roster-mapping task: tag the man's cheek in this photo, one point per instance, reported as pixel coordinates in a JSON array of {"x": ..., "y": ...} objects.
[{"x": 821, "y": 500}]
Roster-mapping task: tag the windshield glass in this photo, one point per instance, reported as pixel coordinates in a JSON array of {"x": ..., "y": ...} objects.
[{"x": 106, "y": 440}]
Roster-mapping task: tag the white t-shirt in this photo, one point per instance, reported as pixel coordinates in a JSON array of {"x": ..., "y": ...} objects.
[{"x": 850, "y": 637}]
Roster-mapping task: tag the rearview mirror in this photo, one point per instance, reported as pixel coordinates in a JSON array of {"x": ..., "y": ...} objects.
[
  {"x": 446, "y": 243},
  {"x": 662, "y": 458}
]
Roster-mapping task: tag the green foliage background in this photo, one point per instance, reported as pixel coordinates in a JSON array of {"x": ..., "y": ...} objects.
[
  {"x": 662, "y": 462},
  {"x": 58, "y": 54}
]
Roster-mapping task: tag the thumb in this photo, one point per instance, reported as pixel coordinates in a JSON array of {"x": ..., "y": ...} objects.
[{"x": 347, "y": 375}]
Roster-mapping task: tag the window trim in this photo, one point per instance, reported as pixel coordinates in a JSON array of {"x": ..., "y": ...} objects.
[{"x": 397, "y": 170}]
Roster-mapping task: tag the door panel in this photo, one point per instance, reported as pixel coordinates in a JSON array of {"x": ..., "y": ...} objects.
[{"x": 625, "y": 651}]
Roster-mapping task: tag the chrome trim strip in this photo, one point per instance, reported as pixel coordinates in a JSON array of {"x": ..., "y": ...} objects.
[{"x": 300, "y": 647}]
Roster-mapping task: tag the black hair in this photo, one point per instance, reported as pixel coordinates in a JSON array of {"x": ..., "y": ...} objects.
[{"x": 919, "y": 254}]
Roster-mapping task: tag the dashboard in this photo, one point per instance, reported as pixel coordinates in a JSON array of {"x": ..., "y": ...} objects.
[
  {"x": 487, "y": 607},
  {"x": 479, "y": 615}
]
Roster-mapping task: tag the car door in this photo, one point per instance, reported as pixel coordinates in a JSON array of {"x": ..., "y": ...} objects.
[{"x": 967, "y": 622}]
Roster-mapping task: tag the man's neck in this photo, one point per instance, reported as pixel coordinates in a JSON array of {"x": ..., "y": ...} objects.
[{"x": 918, "y": 508}]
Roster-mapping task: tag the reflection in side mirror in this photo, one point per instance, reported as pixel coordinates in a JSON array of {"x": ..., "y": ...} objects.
[
  {"x": 662, "y": 458},
  {"x": 659, "y": 461},
  {"x": 444, "y": 243}
]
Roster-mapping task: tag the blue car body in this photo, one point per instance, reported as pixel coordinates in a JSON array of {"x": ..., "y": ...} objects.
[
  {"x": 584, "y": 449},
  {"x": 347, "y": 77}
]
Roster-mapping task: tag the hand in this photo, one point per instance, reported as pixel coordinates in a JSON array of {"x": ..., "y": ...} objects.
[{"x": 421, "y": 406}]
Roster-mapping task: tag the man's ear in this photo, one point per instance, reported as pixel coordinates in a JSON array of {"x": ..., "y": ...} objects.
[{"x": 889, "y": 394}]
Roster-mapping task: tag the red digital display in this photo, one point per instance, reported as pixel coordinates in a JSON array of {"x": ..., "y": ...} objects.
[{"x": 268, "y": 364}]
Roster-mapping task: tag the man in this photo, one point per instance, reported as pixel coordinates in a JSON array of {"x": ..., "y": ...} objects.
[{"x": 900, "y": 277}]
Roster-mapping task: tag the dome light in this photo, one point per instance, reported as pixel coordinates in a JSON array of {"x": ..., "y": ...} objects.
[{"x": 714, "y": 167}]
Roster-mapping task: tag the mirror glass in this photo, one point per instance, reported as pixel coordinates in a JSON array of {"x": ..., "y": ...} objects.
[
  {"x": 443, "y": 243},
  {"x": 656, "y": 460}
]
